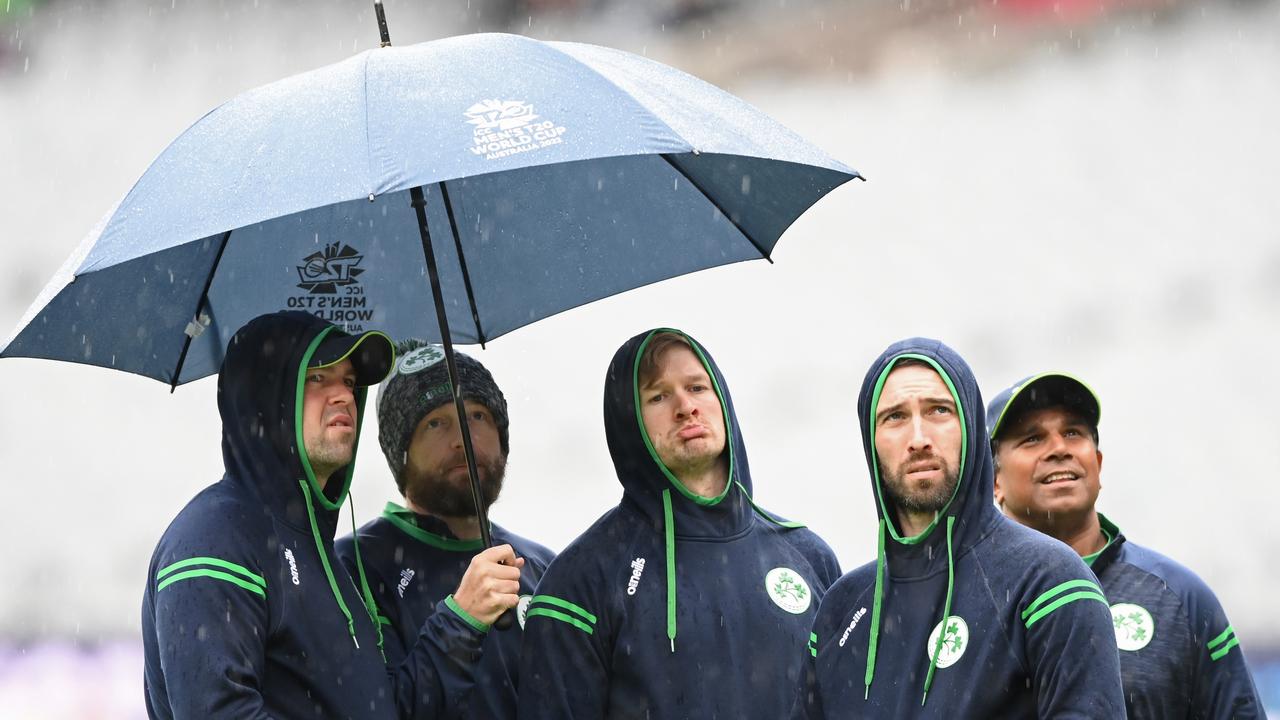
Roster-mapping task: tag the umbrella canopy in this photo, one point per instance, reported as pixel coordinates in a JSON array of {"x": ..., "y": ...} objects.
[{"x": 553, "y": 174}]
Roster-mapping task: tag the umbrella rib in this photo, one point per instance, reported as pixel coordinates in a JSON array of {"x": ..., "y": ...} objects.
[
  {"x": 697, "y": 186},
  {"x": 200, "y": 307},
  {"x": 462, "y": 262}
]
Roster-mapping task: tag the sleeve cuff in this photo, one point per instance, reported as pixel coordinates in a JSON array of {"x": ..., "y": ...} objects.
[{"x": 466, "y": 616}]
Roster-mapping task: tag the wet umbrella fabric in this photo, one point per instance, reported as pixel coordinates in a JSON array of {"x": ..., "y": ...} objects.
[{"x": 554, "y": 174}]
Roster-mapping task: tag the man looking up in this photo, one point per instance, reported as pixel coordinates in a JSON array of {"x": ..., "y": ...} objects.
[
  {"x": 1179, "y": 656},
  {"x": 964, "y": 614},
  {"x": 686, "y": 600},
  {"x": 414, "y": 556},
  {"x": 247, "y": 613}
]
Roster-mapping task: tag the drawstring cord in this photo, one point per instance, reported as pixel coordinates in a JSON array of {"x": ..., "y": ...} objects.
[
  {"x": 669, "y": 528},
  {"x": 369, "y": 604},
  {"x": 324, "y": 560},
  {"x": 669, "y": 533},
  {"x": 874, "y": 638},
  {"x": 946, "y": 614}
]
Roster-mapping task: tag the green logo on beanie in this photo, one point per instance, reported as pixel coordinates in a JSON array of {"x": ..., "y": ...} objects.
[{"x": 419, "y": 359}]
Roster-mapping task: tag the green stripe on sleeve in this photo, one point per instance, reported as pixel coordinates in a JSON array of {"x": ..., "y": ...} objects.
[
  {"x": 557, "y": 615},
  {"x": 216, "y": 575},
  {"x": 1053, "y": 592},
  {"x": 813, "y": 644},
  {"x": 1064, "y": 600},
  {"x": 215, "y": 562},
  {"x": 1222, "y": 644},
  {"x": 564, "y": 604},
  {"x": 1222, "y": 651}
]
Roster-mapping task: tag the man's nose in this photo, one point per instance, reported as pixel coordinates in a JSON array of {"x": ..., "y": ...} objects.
[
  {"x": 1056, "y": 447},
  {"x": 684, "y": 404},
  {"x": 919, "y": 438}
]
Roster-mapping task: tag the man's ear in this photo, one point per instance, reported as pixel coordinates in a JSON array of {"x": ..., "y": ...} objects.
[
  {"x": 999, "y": 492},
  {"x": 1099, "y": 469}
]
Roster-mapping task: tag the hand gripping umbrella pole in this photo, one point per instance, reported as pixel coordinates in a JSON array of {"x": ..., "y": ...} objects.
[{"x": 419, "y": 203}]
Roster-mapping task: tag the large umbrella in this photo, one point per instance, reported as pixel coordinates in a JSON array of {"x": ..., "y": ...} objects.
[{"x": 555, "y": 174}]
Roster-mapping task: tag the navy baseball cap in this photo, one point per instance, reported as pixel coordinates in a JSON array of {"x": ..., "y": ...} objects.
[
  {"x": 371, "y": 354},
  {"x": 1050, "y": 389}
]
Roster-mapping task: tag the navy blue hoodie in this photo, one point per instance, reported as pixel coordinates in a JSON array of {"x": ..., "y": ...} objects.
[
  {"x": 1026, "y": 633},
  {"x": 411, "y": 563},
  {"x": 1179, "y": 656},
  {"x": 248, "y": 612},
  {"x": 672, "y": 605}
]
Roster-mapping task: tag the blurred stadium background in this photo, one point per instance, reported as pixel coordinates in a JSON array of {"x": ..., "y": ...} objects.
[{"x": 1085, "y": 185}]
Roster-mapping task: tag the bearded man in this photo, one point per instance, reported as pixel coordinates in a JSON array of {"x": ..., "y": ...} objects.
[
  {"x": 964, "y": 613},
  {"x": 415, "y": 555}
]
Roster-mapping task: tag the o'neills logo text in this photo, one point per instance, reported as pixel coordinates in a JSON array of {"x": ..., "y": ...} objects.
[
  {"x": 637, "y": 567},
  {"x": 852, "y": 624},
  {"x": 507, "y": 127},
  {"x": 293, "y": 566},
  {"x": 405, "y": 576}
]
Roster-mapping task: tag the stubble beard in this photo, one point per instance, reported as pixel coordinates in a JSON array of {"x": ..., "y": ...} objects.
[
  {"x": 920, "y": 500},
  {"x": 434, "y": 491},
  {"x": 326, "y": 455}
]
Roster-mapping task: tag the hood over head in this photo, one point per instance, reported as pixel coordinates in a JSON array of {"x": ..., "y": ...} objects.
[
  {"x": 643, "y": 475},
  {"x": 971, "y": 504},
  {"x": 260, "y": 391},
  {"x": 967, "y": 516},
  {"x": 651, "y": 488}
]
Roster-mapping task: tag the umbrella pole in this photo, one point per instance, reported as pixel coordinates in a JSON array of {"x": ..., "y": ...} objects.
[
  {"x": 419, "y": 203},
  {"x": 420, "y": 207}
]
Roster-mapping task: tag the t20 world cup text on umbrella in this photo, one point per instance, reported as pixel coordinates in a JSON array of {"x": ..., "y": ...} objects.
[{"x": 562, "y": 172}]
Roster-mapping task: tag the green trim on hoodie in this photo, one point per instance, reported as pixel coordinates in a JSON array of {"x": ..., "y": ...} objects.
[
  {"x": 580, "y": 618},
  {"x": 1088, "y": 591},
  {"x": 1218, "y": 643},
  {"x": 406, "y": 521},
  {"x": 724, "y": 415},
  {"x": 875, "y": 462},
  {"x": 466, "y": 616},
  {"x": 215, "y": 562},
  {"x": 299, "y": 396}
]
